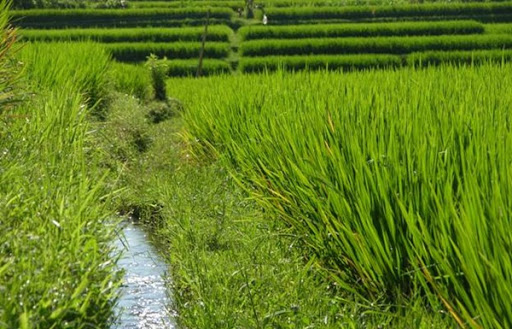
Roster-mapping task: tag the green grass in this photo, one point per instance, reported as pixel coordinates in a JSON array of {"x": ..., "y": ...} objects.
[
  {"x": 397, "y": 182},
  {"x": 56, "y": 270}
]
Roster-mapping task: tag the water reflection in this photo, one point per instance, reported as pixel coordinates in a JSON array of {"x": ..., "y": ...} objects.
[{"x": 144, "y": 301}]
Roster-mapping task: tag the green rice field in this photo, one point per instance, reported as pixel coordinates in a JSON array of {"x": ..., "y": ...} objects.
[{"x": 296, "y": 163}]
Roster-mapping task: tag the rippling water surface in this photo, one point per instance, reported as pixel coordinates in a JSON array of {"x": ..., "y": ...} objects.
[{"x": 144, "y": 300}]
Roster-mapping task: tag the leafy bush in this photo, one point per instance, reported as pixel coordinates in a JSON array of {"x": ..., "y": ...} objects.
[{"x": 158, "y": 69}]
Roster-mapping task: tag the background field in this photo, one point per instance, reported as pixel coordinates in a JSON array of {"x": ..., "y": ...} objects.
[{"x": 298, "y": 34}]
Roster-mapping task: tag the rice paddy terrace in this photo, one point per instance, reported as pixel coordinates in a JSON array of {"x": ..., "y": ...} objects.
[
  {"x": 378, "y": 198},
  {"x": 313, "y": 34}
]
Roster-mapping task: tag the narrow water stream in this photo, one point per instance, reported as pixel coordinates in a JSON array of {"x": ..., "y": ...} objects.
[{"x": 144, "y": 301}]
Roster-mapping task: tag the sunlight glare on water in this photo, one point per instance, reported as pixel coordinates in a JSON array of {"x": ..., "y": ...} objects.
[{"x": 144, "y": 302}]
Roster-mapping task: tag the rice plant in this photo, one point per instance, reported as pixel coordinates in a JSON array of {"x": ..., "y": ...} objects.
[
  {"x": 360, "y": 30},
  {"x": 490, "y": 10},
  {"x": 398, "y": 182},
  {"x": 384, "y": 45},
  {"x": 215, "y": 33}
]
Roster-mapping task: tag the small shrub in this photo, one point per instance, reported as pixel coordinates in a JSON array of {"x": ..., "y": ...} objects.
[{"x": 158, "y": 70}]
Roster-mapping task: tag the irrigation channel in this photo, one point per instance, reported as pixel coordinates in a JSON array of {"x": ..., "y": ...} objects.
[{"x": 144, "y": 301}]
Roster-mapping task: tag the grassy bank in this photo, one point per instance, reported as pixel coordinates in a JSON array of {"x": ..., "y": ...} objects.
[{"x": 55, "y": 266}]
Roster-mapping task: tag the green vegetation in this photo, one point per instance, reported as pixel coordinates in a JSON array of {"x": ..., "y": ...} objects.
[
  {"x": 133, "y": 52},
  {"x": 187, "y": 4},
  {"x": 180, "y": 67},
  {"x": 8, "y": 71},
  {"x": 397, "y": 183},
  {"x": 334, "y": 62},
  {"x": 498, "y": 28},
  {"x": 487, "y": 10},
  {"x": 132, "y": 80},
  {"x": 55, "y": 266},
  {"x": 375, "y": 196},
  {"x": 344, "y": 3},
  {"x": 233, "y": 264},
  {"x": 215, "y": 33},
  {"x": 54, "y": 18},
  {"x": 158, "y": 71},
  {"x": 360, "y": 30},
  {"x": 458, "y": 57},
  {"x": 67, "y": 4},
  {"x": 385, "y": 45}
]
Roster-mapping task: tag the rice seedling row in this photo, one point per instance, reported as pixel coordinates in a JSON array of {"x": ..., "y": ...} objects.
[
  {"x": 389, "y": 45},
  {"x": 187, "y": 4},
  {"x": 182, "y": 68},
  {"x": 48, "y": 18},
  {"x": 502, "y": 28},
  {"x": 137, "y": 52},
  {"x": 360, "y": 30},
  {"x": 443, "y": 10},
  {"x": 318, "y": 62},
  {"x": 215, "y": 33},
  {"x": 428, "y": 58},
  {"x": 344, "y": 3},
  {"x": 370, "y": 61}
]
